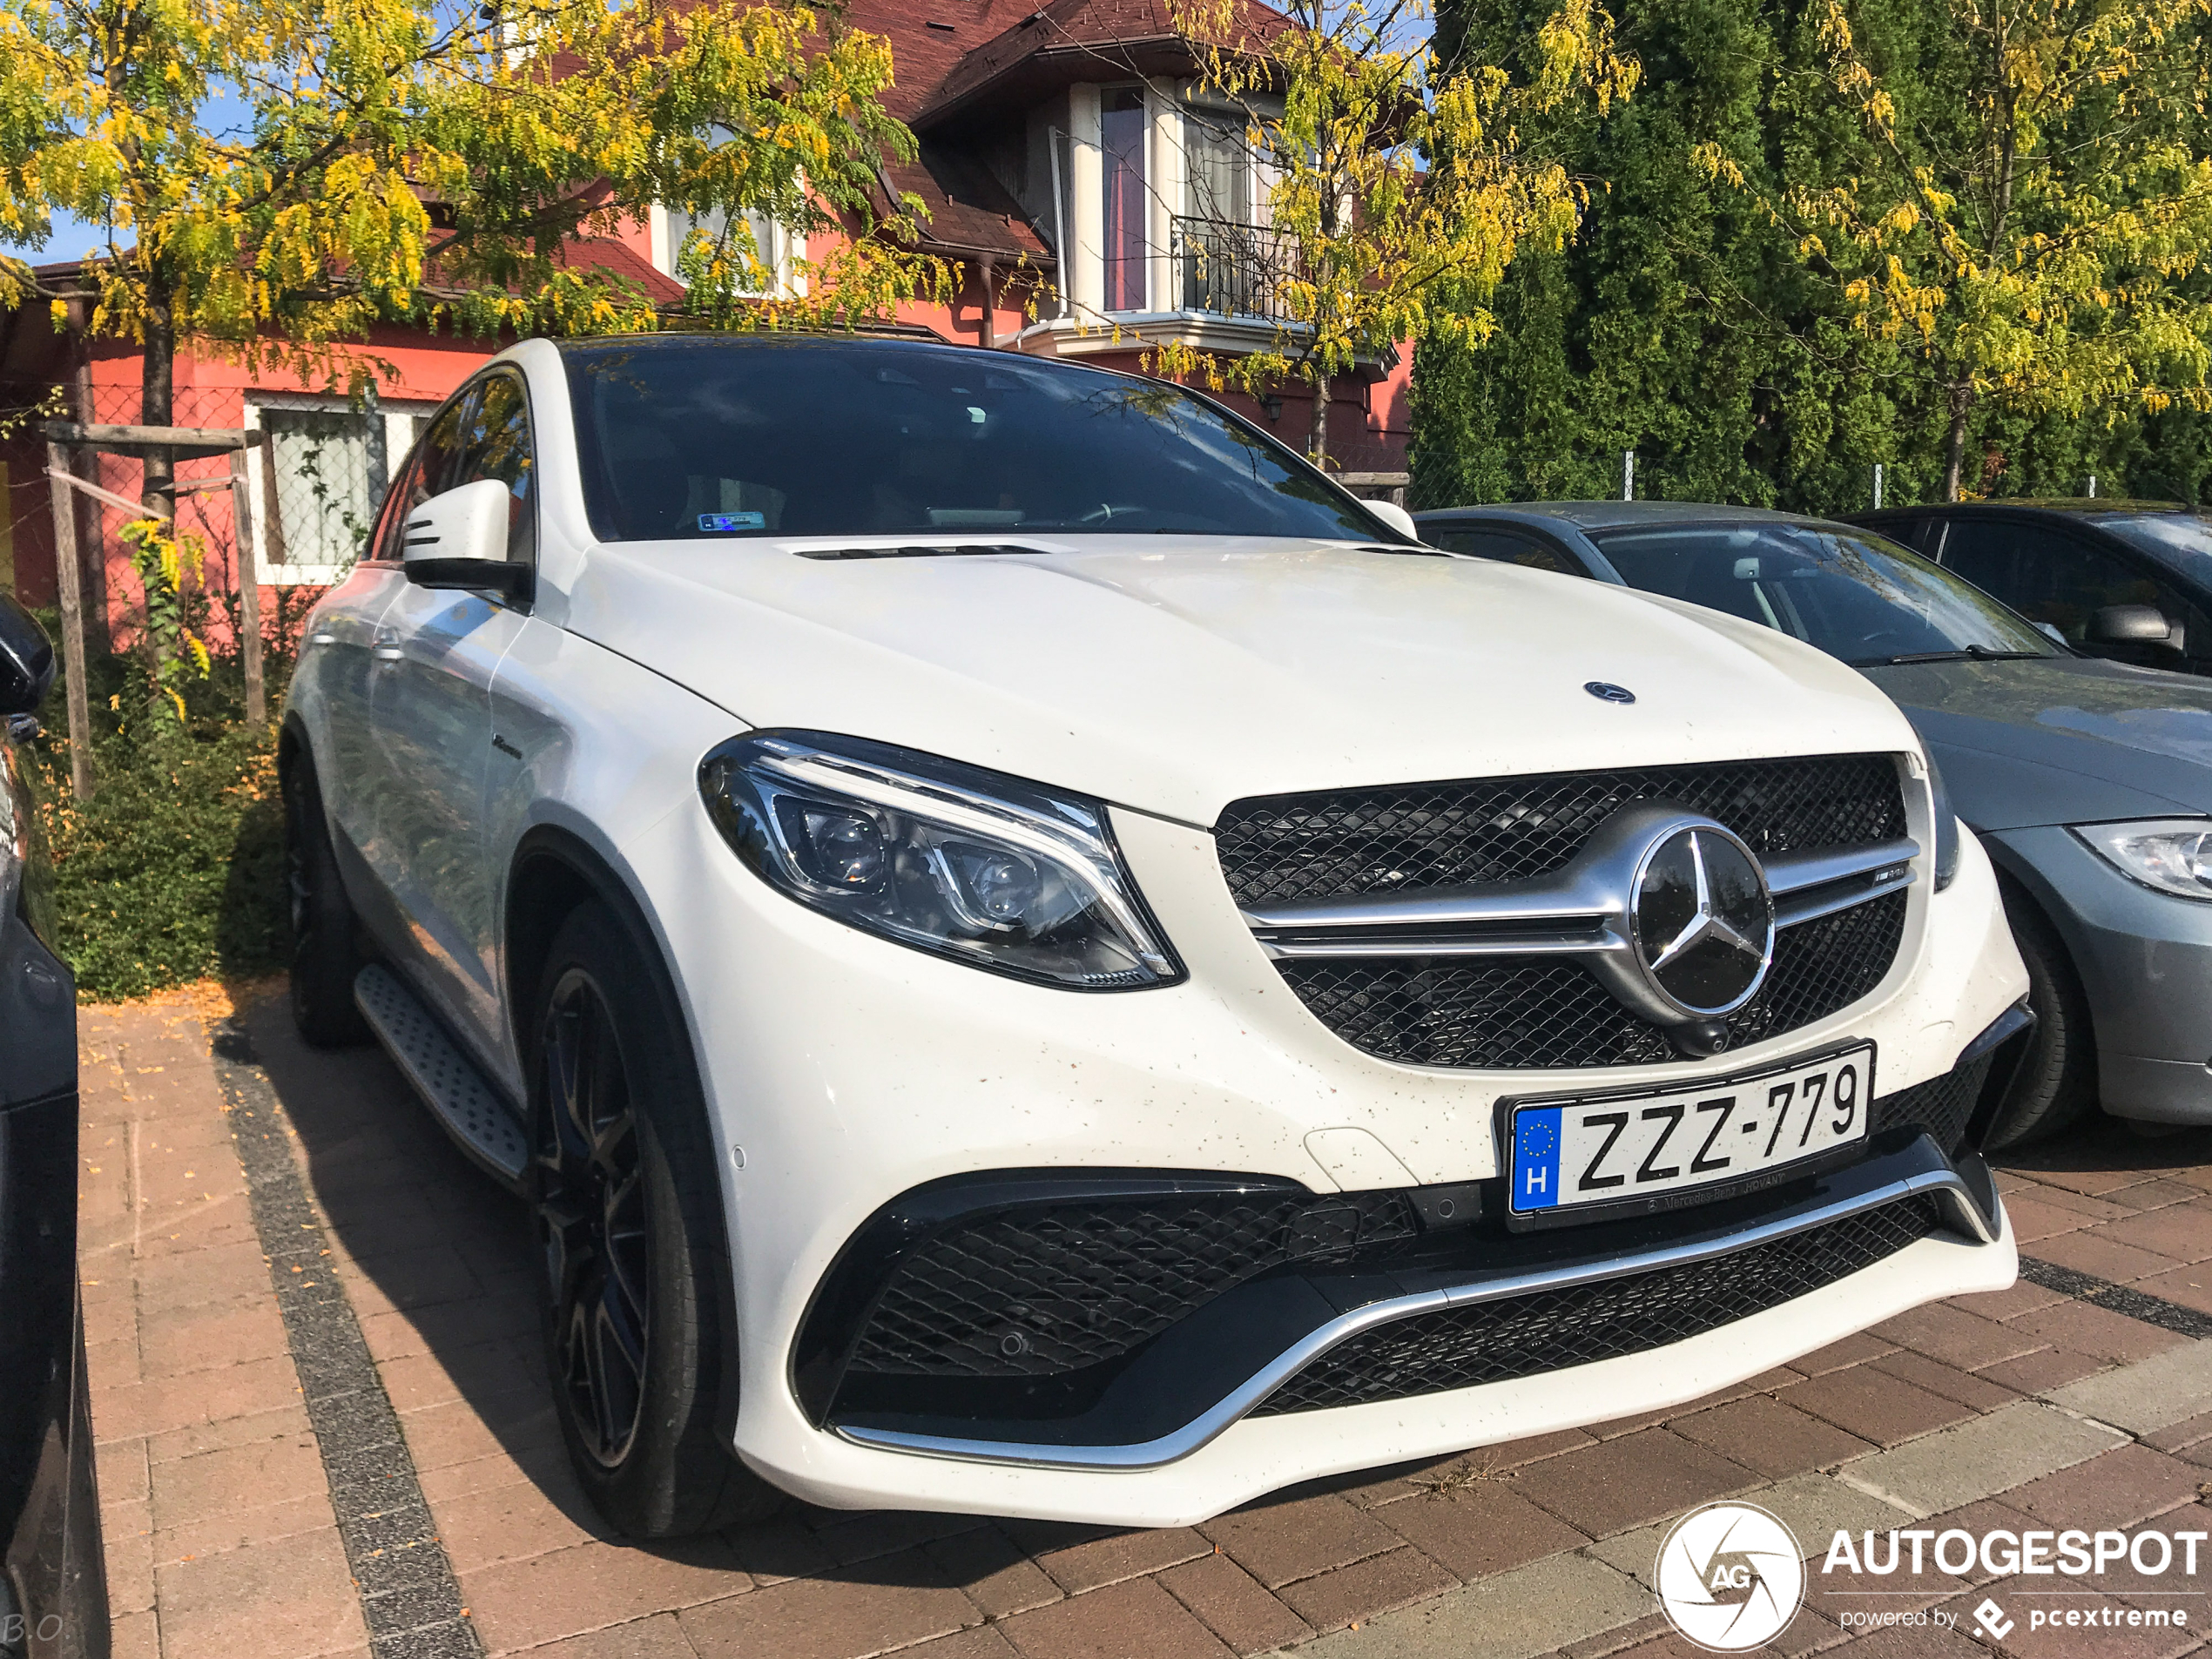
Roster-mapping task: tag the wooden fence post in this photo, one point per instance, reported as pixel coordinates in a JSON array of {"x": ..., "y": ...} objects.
[
  {"x": 68, "y": 578},
  {"x": 249, "y": 590}
]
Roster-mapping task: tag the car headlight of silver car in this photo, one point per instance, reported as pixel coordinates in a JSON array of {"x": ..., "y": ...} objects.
[
  {"x": 2172, "y": 854},
  {"x": 987, "y": 869}
]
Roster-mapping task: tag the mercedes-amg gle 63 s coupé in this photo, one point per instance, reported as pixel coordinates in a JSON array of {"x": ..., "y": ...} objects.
[{"x": 1031, "y": 954}]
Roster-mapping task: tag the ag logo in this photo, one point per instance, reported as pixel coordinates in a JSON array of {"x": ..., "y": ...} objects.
[{"x": 1730, "y": 1577}]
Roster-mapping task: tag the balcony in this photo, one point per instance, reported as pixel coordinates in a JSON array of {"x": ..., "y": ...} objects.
[{"x": 1231, "y": 270}]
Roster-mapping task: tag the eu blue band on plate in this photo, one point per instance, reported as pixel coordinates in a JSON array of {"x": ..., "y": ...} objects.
[
  {"x": 712, "y": 521},
  {"x": 1535, "y": 1158}
]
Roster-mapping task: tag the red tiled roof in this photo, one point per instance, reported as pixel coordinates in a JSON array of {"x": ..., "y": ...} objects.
[
  {"x": 618, "y": 259},
  {"x": 969, "y": 211}
]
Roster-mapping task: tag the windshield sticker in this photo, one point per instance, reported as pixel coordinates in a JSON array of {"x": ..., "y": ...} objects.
[{"x": 712, "y": 522}]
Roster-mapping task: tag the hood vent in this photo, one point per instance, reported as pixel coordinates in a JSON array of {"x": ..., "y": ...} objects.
[{"x": 918, "y": 550}]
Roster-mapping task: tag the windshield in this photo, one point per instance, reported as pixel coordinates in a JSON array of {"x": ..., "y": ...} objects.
[
  {"x": 1855, "y": 596},
  {"x": 702, "y": 438},
  {"x": 2180, "y": 542}
]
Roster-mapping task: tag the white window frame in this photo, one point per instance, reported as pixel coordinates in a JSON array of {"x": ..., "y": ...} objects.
[{"x": 399, "y": 438}]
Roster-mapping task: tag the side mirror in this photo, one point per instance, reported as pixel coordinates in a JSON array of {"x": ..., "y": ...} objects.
[
  {"x": 26, "y": 661},
  {"x": 459, "y": 540},
  {"x": 2129, "y": 625},
  {"x": 1394, "y": 515}
]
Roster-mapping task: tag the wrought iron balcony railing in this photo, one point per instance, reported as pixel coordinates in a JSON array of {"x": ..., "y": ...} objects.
[{"x": 1231, "y": 269}]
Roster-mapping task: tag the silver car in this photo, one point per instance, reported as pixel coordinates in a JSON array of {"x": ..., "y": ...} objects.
[{"x": 2089, "y": 782}]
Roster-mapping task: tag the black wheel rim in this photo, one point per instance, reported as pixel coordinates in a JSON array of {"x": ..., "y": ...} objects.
[
  {"x": 298, "y": 878},
  {"x": 593, "y": 1229}
]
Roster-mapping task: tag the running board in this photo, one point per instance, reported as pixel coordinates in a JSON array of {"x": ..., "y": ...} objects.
[{"x": 449, "y": 1084}]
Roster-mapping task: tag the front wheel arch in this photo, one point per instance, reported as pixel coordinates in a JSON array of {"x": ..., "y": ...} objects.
[{"x": 552, "y": 873}]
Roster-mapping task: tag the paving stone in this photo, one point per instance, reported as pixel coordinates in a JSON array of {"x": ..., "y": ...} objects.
[
  {"x": 567, "y": 1592},
  {"x": 1477, "y": 1530},
  {"x": 1533, "y": 1609},
  {"x": 2169, "y": 1386},
  {"x": 238, "y": 1477},
  {"x": 1979, "y": 1391},
  {"x": 2189, "y": 1286},
  {"x": 993, "y": 1571},
  {"x": 1233, "y": 1604},
  {"x": 1955, "y": 1337},
  {"x": 2183, "y": 1232},
  {"x": 1770, "y": 1436},
  {"x": 1610, "y": 1488},
  {"x": 2036, "y": 1221},
  {"x": 1813, "y": 1507},
  {"x": 2116, "y": 1488},
  {"x": 1277, "y": 1542},
  {"x": 1114, "y": 1556},
  {"x": 1979, "y": 1458},
  {"x": 2047, "y": 1368},
  {"x": 849, "y": 1539},
  {"x": 1380, "y": 1584},
  {"x": 657, "y": 1637},
  {"x": 1852, "y": 1351},
  {"x": 1874, "y": 1406},
  {"x": 289, "y": 1598},
  {"x": 2151, "y": 1195},
  {"x": 2096, "y": 1252},
  {"x": 1133, "y": 1620},
  {"x": 512, "y": 1522}
]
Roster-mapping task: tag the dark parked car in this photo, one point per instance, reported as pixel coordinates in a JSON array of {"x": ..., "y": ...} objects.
[
  {"x": 2089, "y": 781},
  {"x": 2131, "y": 581},
  {"x": 53, "y": 1582}
]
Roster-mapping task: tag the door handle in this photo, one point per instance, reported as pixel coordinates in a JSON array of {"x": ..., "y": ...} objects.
[
  {"x": 388, "y": 653},
  {"x": 323, "y": 639}
]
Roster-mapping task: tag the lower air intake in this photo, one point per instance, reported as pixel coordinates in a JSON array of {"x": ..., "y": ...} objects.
[{"x": 1526, "y": 1336}]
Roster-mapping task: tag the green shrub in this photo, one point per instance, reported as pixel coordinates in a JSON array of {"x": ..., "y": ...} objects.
[{"x": 174, "y": 870}]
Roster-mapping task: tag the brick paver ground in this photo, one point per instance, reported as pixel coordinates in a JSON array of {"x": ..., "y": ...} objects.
[{"x": 221, "y": 1533}]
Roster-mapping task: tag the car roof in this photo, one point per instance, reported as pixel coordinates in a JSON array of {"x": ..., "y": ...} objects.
[
  {"x": 2092, "y": 508},
  {"x": 1616, "y": 515}
]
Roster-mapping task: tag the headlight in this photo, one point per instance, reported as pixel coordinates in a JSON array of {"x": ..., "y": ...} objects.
[
  {"x": 965, "y": 863},
  {"x": 1946, "y": 827},
  {"x": 2173, "y": 854}
]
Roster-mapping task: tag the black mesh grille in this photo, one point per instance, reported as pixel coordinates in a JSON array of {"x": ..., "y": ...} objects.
[
  {"x": 1354, "y": 842},
  {"x": 1514, "y": 1014},
  {"x": 1030, "y": 1293},
  {"x": 1941, "y": 1105},
  {"x": 1522, "y": 1336}
]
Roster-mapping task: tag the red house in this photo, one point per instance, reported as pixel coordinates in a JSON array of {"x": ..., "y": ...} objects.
[{"x": 1067, "y": 142}]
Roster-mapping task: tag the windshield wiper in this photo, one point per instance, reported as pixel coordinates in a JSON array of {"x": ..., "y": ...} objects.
[{"x": 1964, "y": 654}]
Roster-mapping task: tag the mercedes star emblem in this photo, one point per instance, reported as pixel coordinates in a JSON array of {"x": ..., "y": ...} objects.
[
  {"x": 1606, "y": 692},
  {"x": 1702, "y": 921}
]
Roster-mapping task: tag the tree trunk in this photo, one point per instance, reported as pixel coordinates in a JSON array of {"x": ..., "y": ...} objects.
[
  {"x": 1955, "y": 452},
  {"x": 1317, "y": 442},
  {"x": 157, "y": 404}
]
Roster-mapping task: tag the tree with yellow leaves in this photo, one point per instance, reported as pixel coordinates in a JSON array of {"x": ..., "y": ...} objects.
[
  {"x": 1400, "y": 180},
  {"x": 274, "y": 176},
  {"x": 2028, "y": 217}
]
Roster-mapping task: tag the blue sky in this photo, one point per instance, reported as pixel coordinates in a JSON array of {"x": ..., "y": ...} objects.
[{"x": 71, "y": 236}]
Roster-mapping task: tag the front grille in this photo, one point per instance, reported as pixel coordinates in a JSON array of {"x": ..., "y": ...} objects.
[
  {"x": 1036, "y": 1292},
  {"x": 1350, "y": 842},
  {"x": 1524, "y": 1336},
  {"x": 1527, "y": 1013},
  {"x": 1941, "y": 1105}
]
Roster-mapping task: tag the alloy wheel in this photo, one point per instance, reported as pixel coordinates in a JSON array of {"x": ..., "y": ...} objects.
[{"x": 594, "y": 1232}]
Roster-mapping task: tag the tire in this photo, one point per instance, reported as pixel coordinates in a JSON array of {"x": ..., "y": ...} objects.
[
  {"x": 325, "y": 952},
  {"x": 2056, "y": 1084},
  {"x": 628, "y": 1220}
]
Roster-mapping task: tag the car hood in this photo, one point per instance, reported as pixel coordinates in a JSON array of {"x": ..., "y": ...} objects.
[
  {"x": 2061, "y": 739},
  {"x": 1178, "y": 677}
]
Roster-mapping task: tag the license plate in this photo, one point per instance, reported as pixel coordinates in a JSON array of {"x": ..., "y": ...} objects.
[{"x": 1618, "y": 1148}]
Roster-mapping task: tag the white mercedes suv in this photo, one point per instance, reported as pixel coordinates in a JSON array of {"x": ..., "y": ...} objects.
[{"x": 1030, "y": 954}]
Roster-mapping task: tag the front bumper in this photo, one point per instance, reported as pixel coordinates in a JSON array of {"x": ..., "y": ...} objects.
[
  {"x": 842, "y": 1071},
  {"x": 2145, "y": 961}
]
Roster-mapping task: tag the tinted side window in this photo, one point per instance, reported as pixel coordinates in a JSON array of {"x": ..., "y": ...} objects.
[
  {"x": 1506, "y": 549},
  {"x": 2046, "y": 574},
  {"x": 428, "y": 472},
  {"x": 497, "y": 445}
]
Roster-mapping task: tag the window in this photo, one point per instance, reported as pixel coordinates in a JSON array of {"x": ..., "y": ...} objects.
[
  {"x": 1857, "y": 597},
  {"x": 1221, "y": 169},
  {"x": 1506, "y": 549},
  {"x": 1123, "y": 196},
  {"x": 318, "y": 461},
  {"x": 495, "y": 443},
  {"x": 696, "y": 437},
  {"x": 2045, "y": 574},
  {"x": 428, "y": 472}
]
